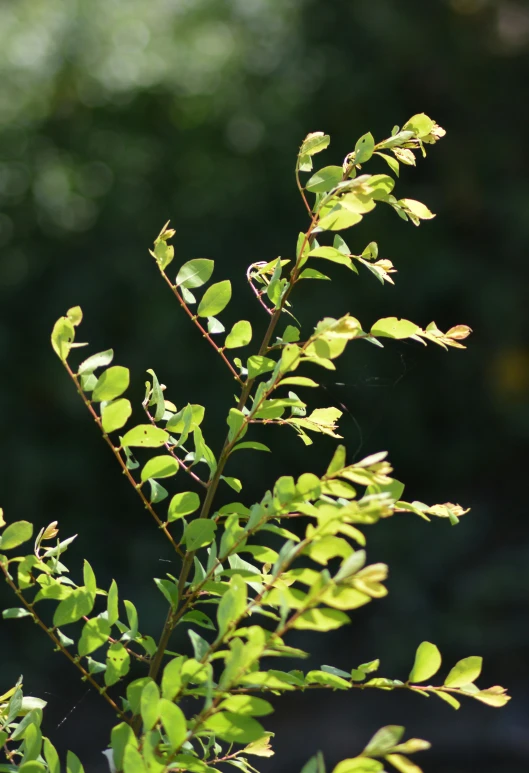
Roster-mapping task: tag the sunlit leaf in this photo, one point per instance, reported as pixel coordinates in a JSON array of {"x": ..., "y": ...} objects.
[{"x": 427, "y": 662}]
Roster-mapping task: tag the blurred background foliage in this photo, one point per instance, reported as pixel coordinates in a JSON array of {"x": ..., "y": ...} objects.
[{"x": 116, "y": 115}]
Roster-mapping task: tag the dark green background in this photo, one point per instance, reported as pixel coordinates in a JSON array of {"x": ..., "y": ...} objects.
[{"x": 116, "y": 116}]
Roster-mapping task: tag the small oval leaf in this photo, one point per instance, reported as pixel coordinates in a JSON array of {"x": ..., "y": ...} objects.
[
  {"x": 160, "y": 467},
  {"x": 111, "y": 383},
  {"x": 195, "y": 273},
  {"x": 145, "y": 436},
  {"x": 114, "y": 415},
  {"x": 15, "y": 534},
  {"x": 184, "y": 503},
  {"x": 464, "y": 672},
  {"x": 427, "y": 662},
  {"x": 215, "y": 299},
  {"x": 239, "y": 335}
]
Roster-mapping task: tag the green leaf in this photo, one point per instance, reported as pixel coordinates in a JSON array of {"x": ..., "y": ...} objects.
[
  {"x": 145, "y": 436},
  {"x": 163, "y": 253},
  {"x": 384, "y": 740},
  {"x": 232, "y": 604},
  {"x": 215, "y": 299},
  {"x": 239, "y": 335},
  {"x": 200, "y": 645},
  {"x": 186, "y": 420},
  {"x": 316, "y": 764},
  {"x": 94, "y": 666},
  {"x": 298, "y": 381},
  {"x": 134, "y": 691},
  {"x": 120, "y": 736},
  {"x": 250, "y": 444},
  {"x": 15, "y": 613},
  {"x": 359, "y": 765},
  {"x": 28, "y": 767},
  {"x": 338, "y": 461},
  {"x": 380, "y": 186},
  {"x": 464, "y": 672},
  {"x": 391, "y": 327},
  {"x": 328, "y": 679},
  {"x": 171, "y": 679},
  {"x": 493, "y": 696},
  {"x": 95, "y": 633},
  {"x": 156, "y": 396},
  {"x": 194, "y": 765},
  {"x": 417, "y": 208},
  {"x": 321, "y": 620},
  {"x": 89, "y": 579},
  {"x": 158, "y": 492},
  {"x": 427, "y": 662},
  {"x": 133, "y": 761},
  {"x": 99, "y": 360},
  {"x": 364, "y": 148},
  {"x": 169, "y": 590},
  {"x": 247, "y": 705},
  {"x": 160, "y": 467},
  {"x": 132, "y": 618},
  {"x": 325, "y": 179},
  {"x": 313, "y": 143},
  {"x": 182, "y": 504},
  {"x": 78, "y": 604},
  {"x": 236, "y": 421},
  {"x": 174, "y": 722},
  {"x": 195, "y": 273},
  {"x": 51, "y": 756},
  {"x": 291, "y": 334},
  {"x": 403, "y": 764},
  {"x": 338, "y": 218},
  {"x": 448, "y": 698},
  {"x": 234, "y": 728},
  {"x": 199, "y": 618},
  {"x": 311, "y": 273},
  {"x": 115, "y": 415},
  {"x": 412, "y": 745},
  {"x": 233, "y": 483},
  {"x": 113, "y": 603},
  {"x": 258, "y": 364},
  {"x": 62, "y": 337},
  {"x": 332, "y": 254},
  {"x": 15, "y": 534},
  {"x": 420, "y": 124},
  {"x": 199, "y": 533},
  {"x": 215, "y": 327},
  {"x": 390, "y": 161},
  {"x": 111, "y": 383},
  {"x": 150, "y": 699}
]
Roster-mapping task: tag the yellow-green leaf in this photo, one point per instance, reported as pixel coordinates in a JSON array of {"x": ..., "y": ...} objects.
[
  {"x": 391, "y": 327},
  {"x": 215, "y": 299},
  {"x": 111, "y": 383},
  {"x": 115, "y": 415},
  {"x": 465, "y": 671},
  {"x": 146, "y": 436},
  {"x": 15, "y": 534},
  {"x": 427, "y": 662},
  {"x": 160, "y": 467}
]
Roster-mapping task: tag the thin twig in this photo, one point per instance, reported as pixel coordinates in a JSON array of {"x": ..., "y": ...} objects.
[
  {"x": 194, "y": 318},
  {"x": 302, "y": 190},
  {"x": 258, "y": 293},
  {"x": 171, "y": 452},
  {"x": 148, "y": 506},
  {"x": 173, "y": 615},
  {"x": 50, "y": 632}
]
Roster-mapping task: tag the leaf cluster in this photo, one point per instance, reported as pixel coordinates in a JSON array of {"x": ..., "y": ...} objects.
[{"x": 249, "y": 573}]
